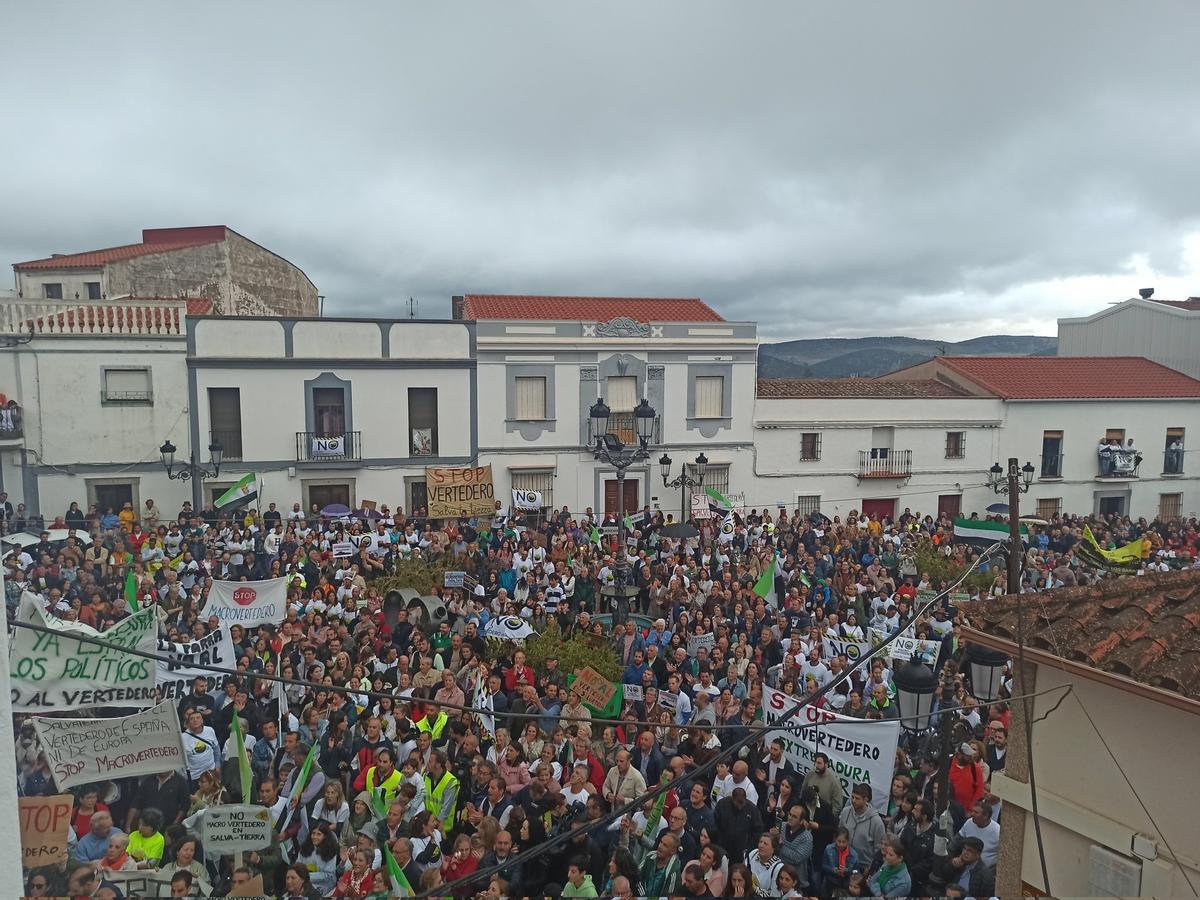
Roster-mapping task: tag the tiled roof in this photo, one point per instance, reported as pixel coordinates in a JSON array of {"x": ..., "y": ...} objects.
[
  {"x": 1072, "y": 377},
  {"x": 816, "y": 388},
  {"x": 1145, "y": 628},
  {"x": 587, "y": 309},
  {"x": 1191, "y": 303},
  {"x": 154, "y": 240},
  {"x": 196, "y": 306}
]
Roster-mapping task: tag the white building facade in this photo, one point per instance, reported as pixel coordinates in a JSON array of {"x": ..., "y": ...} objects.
[
  {"x": 543, "y": 362},
  {"x": 332, "y": 411}
]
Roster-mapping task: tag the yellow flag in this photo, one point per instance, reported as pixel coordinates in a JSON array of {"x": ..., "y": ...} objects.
[{"x": 1129, "y": 553}]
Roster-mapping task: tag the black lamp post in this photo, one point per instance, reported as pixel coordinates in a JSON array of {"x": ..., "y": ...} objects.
[
  {"x": 684, "y": 481},
  {"x": 185, "y": 471},
  {"x": 609, "y": 449}
]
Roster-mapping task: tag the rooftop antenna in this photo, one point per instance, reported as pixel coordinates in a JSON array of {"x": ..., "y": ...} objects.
[
  {"x": 413, "y": 305},
  {"x": 320, "y": 306}
]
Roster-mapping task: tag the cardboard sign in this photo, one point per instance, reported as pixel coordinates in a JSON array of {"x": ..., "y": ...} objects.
[
  {"x": 700, "y": 502},
  {"x": 44, "y": 823},
  {"x": 634, "y": 692},
  {"x": 54, "y": 671},
  {"x": 248, "y": 603},
  {"x": 593, "y": 687},
  {"x": 852, "y": 650},
  {"x": 85, "y": 750},
  {"x": 343, "y": 549},
  {"x": 176, "y": 673},
  {"x": 906, "y": 646},
  {"x": 234, "y": 827},
  {"x": 252, "y": 888},
  {"x": 460, "y": 492},
  {"x": 858, "y": 750},
  {"x": 453, "y": 579},
  {"x": 707, "y": 640}
]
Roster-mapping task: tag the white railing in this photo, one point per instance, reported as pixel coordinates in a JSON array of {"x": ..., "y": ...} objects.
[{"x": 121, "y": 317}]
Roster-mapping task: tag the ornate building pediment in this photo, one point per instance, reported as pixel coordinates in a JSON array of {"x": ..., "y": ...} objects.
[{"x": 621, "y": 326}]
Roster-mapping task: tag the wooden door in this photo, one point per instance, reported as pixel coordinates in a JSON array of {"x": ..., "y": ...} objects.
[
  {"x": 880, "y": 508},
  {"x": 949, "y": 505},
  {"x": 610, "y": 496}
]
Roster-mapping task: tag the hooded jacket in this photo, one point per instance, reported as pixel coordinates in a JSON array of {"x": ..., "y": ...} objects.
[{"x": 587, "y": 889}]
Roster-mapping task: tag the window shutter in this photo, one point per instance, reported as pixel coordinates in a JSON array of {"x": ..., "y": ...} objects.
[
  {"x": 531, "y": 398},
  {"x": 710, "y": 396}
]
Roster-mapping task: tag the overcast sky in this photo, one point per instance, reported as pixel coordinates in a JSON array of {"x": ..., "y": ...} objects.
[{"x": 932, "y": 169}]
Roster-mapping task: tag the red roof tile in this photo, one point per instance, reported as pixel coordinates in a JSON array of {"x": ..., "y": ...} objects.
[
  {"x": 803, "y": 388},
  {"x": 1072, "y": 377},
  {"x": 154, "y": 240},
  {"x": 1146, "y": 628},
  {"x": 1191, "y": 303},
  {"x": 587, "y": 309}
]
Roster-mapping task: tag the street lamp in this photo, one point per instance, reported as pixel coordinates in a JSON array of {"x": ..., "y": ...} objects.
[
  {"x": 987, "y": 671},
  {"x": 684, "y": 480},
  {"x": 915, "y": 687},
  {"x": 189, "y": 470},
  {"x": 611, "y": 450}
]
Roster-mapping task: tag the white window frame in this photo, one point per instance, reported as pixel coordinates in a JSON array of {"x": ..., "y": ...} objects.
[{"x": 126, "y": 398}]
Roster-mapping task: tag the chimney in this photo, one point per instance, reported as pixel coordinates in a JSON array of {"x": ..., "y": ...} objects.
[
  {"x": 458, "y": 307},
  {"x": 1146, "y": 293}
]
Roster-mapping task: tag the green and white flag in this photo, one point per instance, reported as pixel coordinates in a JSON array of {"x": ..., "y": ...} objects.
[
  {"x": 243, "y": 493},
  {"x": 400, "y": 885},
  {"x": 245, "y": 775},
  {"x": 765, "y": 586},
  {"x": 981, "y": 532},
  {"x": 718, "y": 502}
]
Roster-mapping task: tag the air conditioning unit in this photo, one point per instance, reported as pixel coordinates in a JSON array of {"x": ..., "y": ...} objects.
[{"x": 1113, "y": 875}]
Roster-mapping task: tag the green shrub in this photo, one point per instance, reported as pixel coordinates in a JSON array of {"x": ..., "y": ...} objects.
[
  {"x": 947, "y": 568},
  {"x": 421, "y": 575},
  {"x": 577, "y": 653}
]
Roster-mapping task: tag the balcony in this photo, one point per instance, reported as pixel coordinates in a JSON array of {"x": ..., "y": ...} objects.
[
  {"x": 884, "y": 462},
  {"x": 230, "y": 441},
  {"x": 1172, "y": 461},
  {"x": 314, "y": 447},
  {"x": 621, "y": 425},
  {"x": 92, "y": 318},
  {"x": 1118, "y": 465},
  {"x": 1052, "y": 466}
]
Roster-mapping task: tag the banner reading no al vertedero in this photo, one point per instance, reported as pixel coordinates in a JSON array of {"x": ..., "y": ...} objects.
[
  {"x": 55, "y": 671},
  {"x": 86, "y": 750},
  {"x": 248, "y": 603}
]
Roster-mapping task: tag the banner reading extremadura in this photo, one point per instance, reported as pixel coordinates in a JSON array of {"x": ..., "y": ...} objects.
[{"x": 460, "y": 492}]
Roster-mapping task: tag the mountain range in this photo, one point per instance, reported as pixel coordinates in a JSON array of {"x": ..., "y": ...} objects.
[{"x": 869, "y": 356}]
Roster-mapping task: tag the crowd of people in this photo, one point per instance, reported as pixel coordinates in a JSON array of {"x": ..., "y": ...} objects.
[{"x": 413, "y": 776}]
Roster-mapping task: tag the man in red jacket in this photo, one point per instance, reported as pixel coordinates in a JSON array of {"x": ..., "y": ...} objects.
[{"x": 966, "y": 777}]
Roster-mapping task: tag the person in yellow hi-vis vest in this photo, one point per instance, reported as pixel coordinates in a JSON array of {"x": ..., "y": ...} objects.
[
  {"x": 434, "y": 721},
  {"x": 383, "y": 779},
  {"x": 441, "y": 789}
]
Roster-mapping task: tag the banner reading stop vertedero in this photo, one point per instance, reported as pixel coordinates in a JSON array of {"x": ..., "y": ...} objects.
[{"x": 248, "y": 603}]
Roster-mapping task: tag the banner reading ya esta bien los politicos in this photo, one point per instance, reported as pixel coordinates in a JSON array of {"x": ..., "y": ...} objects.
[
  {"x": 859, "y": 751},
  {"x": 460, "y": 492},
  {"x": 56, "y": 671},
  {"x": 85, "y": 750}
]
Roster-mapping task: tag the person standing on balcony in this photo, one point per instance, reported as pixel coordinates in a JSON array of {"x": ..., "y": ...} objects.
[
  {"x": 1104, "y": 452},
  {"x": 1175, "y": 456}
]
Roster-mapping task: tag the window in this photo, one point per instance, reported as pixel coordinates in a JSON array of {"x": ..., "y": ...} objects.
[
  {"x": 716, "y": 477},
  {"x": 807, "y": 504},
  {"x": 112, "y": 494},
  {"x": 329, "y": 411},
  {"x": 1049, "y": 507},
  {"x": 127, "y": 386},
  {"x": 225, "y": 420},
  {"x": 93, "y": 289},
  {"x": 531, "y": 397},
  {"x": 622, "y": 398},
  {"x": 1115, "y": 434},
  {"x": 1170, "y": 506},
  {"x": 810, "y": 445},
  {"x": 423, "y": 421},
  {"x": 541, "y": 481},
  {"x": 1052, "y": 442},
  {"x": 710, "y": 396},
  {"x": 1173, "y": 454},
  {"x": 52, "y": 291},
  {"x": 956, "y": 444}
]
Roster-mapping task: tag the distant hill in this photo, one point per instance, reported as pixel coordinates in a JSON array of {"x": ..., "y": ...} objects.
[{"x": 869, "y": 356}]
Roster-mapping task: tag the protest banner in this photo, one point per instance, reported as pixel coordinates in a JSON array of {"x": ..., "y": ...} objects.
[
  {"x": 708, "y": 640},
  {"x": 593, "y": 687},
  {"x": 248, "y": 603},
  {"x": 701, "y": 510},
  {"x": 343, "y": 549},
  {"x": 906, "y": 646},
  {"x": 453, "y": 579},
  {"x": 52, "y": 672},
  {"x": 859, "y": 751},
  {"x": 634, "y": 692},
  {"x": 234, "y": 827},
  {"x": 528, "y": 501},
  {"x": 852, "y": 650},
  {"x": 176, "y": 673},
  {"x": 85, "y": 750},
  {"x": 44, "y": 822},
  {"x": 454, "y": 492}
]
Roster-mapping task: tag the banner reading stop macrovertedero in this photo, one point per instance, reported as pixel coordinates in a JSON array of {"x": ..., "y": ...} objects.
[
  {"x": 248, "y": 603},
  {"x": 859, "y": 751}
]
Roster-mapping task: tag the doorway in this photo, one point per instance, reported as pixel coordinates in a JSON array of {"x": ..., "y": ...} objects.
[
  {"x": 1112, "y": 505},
  {"x": 949, "y": 505},
  {"x": 322, "y": 494},
  {"x": 610, "y": 496},
  {"x": 112, "y": 494},
  {"x": 880, "y": 508},
  {"x": 418, "y": 496}
]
